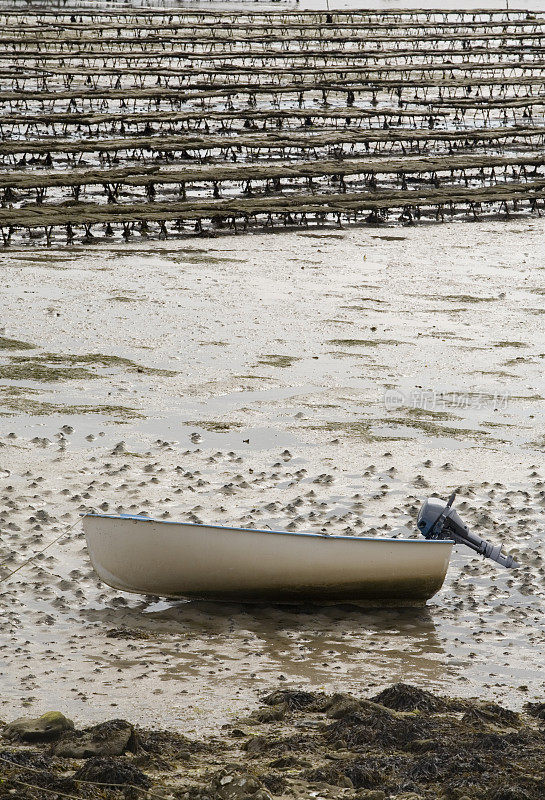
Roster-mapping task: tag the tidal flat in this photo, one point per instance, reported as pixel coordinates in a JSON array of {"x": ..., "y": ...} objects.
[{"x": 219, "y": 396}]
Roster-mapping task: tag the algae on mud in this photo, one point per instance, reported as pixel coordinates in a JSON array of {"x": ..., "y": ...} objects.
[
  {"x": 40, "y": 371},
  {"x": 14, "y": 344},
  {"x": 363, "y": 342},
  {"x": 360, "y": 429},
  {"x": 216, "y": 426},
  {"x": 52, "y": 367},
  {"x": 19, "y": 404},
  {"x": 92, "y": 359},
  {"x": 275, "y": 360}
]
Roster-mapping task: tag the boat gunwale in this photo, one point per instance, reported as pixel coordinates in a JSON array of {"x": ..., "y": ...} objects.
[{"x": 137, "y": 518}]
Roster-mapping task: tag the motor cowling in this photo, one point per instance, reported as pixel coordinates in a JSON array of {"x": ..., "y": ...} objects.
[{"x": 438, "y": 520}]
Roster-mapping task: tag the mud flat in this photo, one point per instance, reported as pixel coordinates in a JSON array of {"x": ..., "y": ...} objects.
[
  {"x": 65, "y": 634},
  {"x": 320, "y": 382},
  {"x": 403, "y": 743},
  {"x": 309, "y": 379}
]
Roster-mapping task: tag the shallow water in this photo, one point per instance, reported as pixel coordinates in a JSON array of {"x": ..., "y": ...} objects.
[{"x": 390, "y": 363}]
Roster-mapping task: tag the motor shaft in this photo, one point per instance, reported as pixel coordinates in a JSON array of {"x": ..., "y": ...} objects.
[{"x": 438, "y": 520}]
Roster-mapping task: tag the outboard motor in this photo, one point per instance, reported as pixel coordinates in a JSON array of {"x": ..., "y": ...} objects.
[{"x": 438, "y": 520}]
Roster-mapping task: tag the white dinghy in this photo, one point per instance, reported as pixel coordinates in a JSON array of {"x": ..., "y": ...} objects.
[
  {"x": 178, "y": 559},
  {"x": 175, "y": 559}
]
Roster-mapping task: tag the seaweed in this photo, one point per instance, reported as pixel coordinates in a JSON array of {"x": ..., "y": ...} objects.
[
  {"x": 281, "y": 361},
  {"x": 403, "y": 697},
  {"x": 423, "y": 746},
  {"x": 53, "y": 367},
  {"x": 15, "y": 344},
  {"x": 112, "y": 772}
]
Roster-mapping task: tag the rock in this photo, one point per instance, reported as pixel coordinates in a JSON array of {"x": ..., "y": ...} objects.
[
  {"x": 107, "y": 739},
  {"x": 41, "y": 729},
  {"x": 111, "y": 772},
  {"x": 233, "y": 783},
  {"x": 257, "y": 745},
  {"x": 273, "y": 714},
  {"x": 371, "y": 794}
]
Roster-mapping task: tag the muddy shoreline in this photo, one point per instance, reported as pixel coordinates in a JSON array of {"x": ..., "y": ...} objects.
[{"x": 403, "y": 743}]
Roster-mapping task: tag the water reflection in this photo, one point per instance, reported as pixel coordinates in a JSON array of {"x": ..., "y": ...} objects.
[{"x": 303, "y": 644}]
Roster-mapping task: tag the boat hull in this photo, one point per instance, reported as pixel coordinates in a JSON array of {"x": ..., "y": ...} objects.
[{"x": 175, "y": 560}]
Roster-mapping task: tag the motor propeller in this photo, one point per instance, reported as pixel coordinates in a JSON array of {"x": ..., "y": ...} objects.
[{"x": 438, "y": 520}]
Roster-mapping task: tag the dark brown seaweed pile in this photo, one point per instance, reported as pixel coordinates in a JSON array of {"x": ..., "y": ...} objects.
[{"x": 404, "y": 744}]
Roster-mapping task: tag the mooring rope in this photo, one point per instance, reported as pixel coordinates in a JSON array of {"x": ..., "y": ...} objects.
[{"x": 35, "y": 556}]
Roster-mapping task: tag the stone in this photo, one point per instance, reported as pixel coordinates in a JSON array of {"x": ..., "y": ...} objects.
[
  {"x": 234, "y": 783},
  {"x": 106, "y": 739},
  {"x": 40, "y": 729},
  {"x": 409, "y": 796}
]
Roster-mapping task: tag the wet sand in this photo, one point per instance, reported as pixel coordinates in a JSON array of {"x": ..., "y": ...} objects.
[{"x": 242, "y": 380}]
